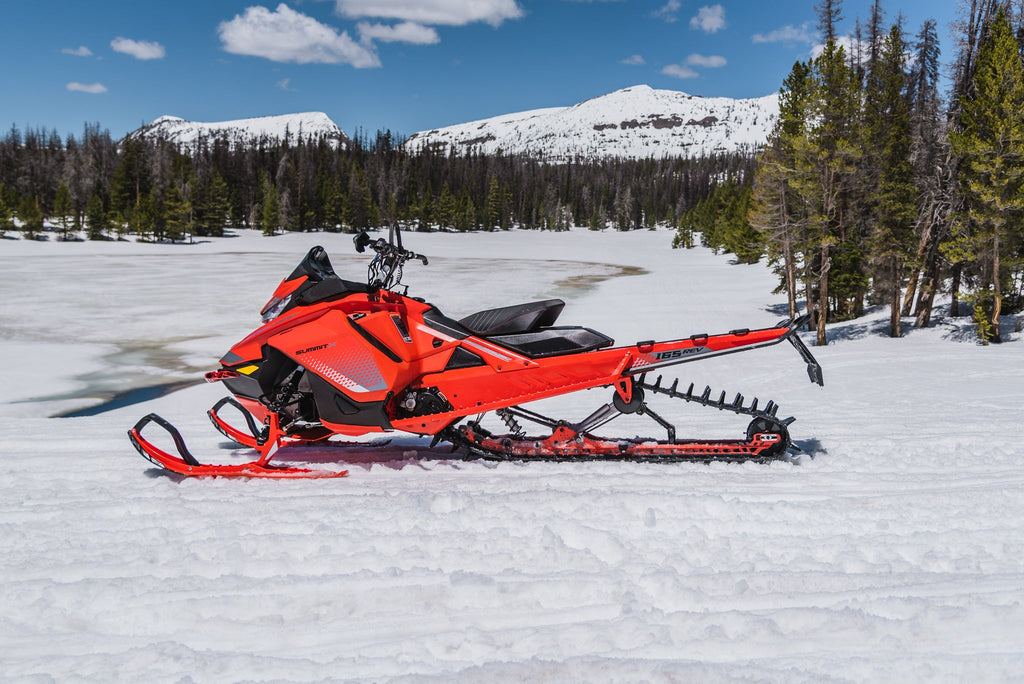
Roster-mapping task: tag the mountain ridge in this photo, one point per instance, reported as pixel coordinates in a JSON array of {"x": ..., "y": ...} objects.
[
  {"x": 248, "y": 131},
  {"x": 636, "y": 122}
]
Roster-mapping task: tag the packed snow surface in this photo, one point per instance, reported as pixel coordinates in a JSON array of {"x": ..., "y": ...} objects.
[
  {"x": 637, "y": 122},
  {"x": 893, "y": 552}
]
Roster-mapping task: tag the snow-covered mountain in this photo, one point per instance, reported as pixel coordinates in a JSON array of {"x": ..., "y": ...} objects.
[
  {"x": 636, "y": 122},
  {"x": 306, "y": 125}
]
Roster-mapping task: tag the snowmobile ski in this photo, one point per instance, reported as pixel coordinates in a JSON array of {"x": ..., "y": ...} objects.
[{"x": 186, "y": 464}]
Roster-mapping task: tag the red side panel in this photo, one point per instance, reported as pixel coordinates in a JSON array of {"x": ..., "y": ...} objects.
[{"x": 509, "y": 379}]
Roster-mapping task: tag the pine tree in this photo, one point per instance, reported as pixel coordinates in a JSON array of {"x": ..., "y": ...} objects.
[
  {"x": 364, "y": 212},
  {"x": 270, "y": 219},
  {"x": 130, "y": 180},
  {"x": 990, "y": 143},
  {"x": 933, "y": 175},
  {"x": 62, "y": 208},
  {"x": 826, "y": 161},
  {"x": 96, "y": 220},
  {"x": 493, "y": 204},
  {"x": 147, "y": 219},
  {"x": 829, "y": 14},
  {"x": 391, "y": 211},
  {"x": 334, "y": 203},
  {"x": 445, "y": 208},
  {"x": 6, "y": 220},
  {"x": 286, "y": 182},
  {"x": 776, "y": 209},
  {"x": 31, "y": 217},
  {"x": 467, "y": 218},
  {"x": 216, "y": 207},
  {"x": 505, "y": 207},
  {"x": 897, "y": 196},
  {"x": 738, "y": 235},
  {"x": 178, "y": 213},
  {"x": 771, "y": 212}
]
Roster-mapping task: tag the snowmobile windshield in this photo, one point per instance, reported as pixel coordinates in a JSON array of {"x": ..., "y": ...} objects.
[
  {"x": 315, "y": 281},
  {"x": 316, "y": 266}
]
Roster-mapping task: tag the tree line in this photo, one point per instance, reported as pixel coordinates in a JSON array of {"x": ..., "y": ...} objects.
[
  {"x": 871, "y": 191},
  {"x": 155, "y": 189}
]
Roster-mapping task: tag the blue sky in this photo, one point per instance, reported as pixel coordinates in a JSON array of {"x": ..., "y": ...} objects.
[{"x": 403, "y": 65}]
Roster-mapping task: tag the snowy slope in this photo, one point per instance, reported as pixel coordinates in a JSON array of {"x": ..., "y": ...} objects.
[
  {"x": 635, "y": 122},
  {"x": 241, "y": 132},
  {"x": 895, "y": 554}
]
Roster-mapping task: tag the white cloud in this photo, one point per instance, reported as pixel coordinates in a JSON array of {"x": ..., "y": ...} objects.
[
  {"x": 668, "y": 12},
  {"x": 81, "y": 51},
  {"x": 786, "y": 34},
  {"x": 849, "y": 45},
  {"x": 709, "y": 19},
  {"x": 634, "y": 60},
  {"x": 679, "y": 71},
  {"x": 711, "y": 61},
  {"x": 406, "y": 32},
  {"x": 285, "y": 84},
  {"x": 431, "y": 12},
  {"x": 285, "y": 35},
  {"x": 139, "y": 49},
  {"x": 94, "y": 88}
]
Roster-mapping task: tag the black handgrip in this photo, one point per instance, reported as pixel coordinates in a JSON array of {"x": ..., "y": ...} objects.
[{"x": 361, "y": 240}]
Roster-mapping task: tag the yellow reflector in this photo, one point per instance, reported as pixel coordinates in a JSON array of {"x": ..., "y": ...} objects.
[{"x": 248, "y": 370}]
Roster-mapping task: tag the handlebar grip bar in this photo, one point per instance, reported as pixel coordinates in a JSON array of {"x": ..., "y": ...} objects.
[
  {"x": 381, "y": 246},
  {"x": 385, "y": 270}
]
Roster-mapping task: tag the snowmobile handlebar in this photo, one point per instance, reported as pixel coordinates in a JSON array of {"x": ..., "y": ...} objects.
[
  {"x": 385, "y": 248},
  {"x": 385, "y": 271}
]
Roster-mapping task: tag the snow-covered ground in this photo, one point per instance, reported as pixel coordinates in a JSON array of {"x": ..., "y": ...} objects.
[{"x": 896, "y": 553}]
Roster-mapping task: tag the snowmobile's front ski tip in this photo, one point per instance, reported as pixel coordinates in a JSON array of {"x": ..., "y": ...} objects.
[
  {"x": 187, "y": 464},
  {"x": 336, "y": 357}
]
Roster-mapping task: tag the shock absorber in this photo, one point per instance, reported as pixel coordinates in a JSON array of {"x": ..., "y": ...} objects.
[{"x": 510, "y": 422}]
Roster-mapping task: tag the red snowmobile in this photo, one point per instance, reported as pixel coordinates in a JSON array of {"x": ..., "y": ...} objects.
[{"x": 337, "y": 357}]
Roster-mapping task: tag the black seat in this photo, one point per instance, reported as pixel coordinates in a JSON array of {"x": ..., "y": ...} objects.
[
  {"x": 540, "y": 344},
  {"x": 515, "y": 319},
  {"x": 526, "y": 329}
]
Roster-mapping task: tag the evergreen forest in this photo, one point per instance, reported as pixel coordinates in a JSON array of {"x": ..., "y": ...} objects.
[
  {"x": 154, "y": 189},
  {"x": 873, "y": 189}
]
